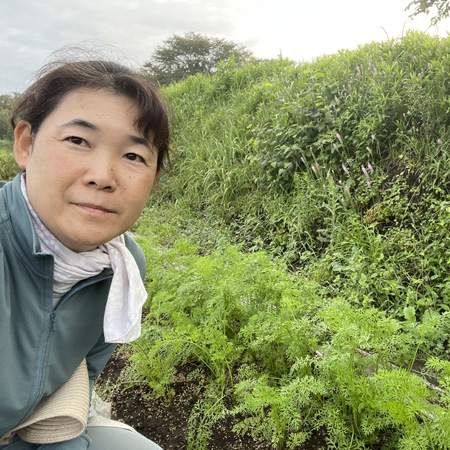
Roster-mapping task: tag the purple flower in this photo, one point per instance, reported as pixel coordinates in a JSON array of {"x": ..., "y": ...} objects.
[
  {"x": 373, "y": 137},
  {"x": 313, "y": 169},
  {"x": 303, "y": 160},
  {"x": 364, "y": 171},
  {"x": 368, "y": 182},
  {"x": 345, "y": 169},
  {"x": 339, "y": 138},
  {"x": 335, "y": 146},
  {"x": 340, "y": 181},
  {"x": 439, "y": 142},
  {"x": 369, "y": 166}
]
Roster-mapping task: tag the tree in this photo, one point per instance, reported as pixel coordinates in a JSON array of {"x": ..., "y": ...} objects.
[
  {"x": 181, "y": 56},
  {"x": 424, "y": 6}
]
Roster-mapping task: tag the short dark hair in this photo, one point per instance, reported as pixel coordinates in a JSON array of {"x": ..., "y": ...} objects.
[{"x": 57, "y": 79}]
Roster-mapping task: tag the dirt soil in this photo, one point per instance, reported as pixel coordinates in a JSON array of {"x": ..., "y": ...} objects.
[{"x": 167, "y": 425}]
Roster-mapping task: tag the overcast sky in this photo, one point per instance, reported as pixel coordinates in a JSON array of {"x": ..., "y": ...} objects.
[{"x": 299, "y": 29}]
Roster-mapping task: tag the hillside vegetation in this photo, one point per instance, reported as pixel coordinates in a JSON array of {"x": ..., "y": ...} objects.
[{"x": 298, "y": 254}]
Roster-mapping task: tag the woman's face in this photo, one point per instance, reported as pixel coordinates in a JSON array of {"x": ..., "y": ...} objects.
[{"x": 89, "y": 171}]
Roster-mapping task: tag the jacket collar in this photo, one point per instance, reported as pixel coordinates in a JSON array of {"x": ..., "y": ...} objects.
[{"x": 16, "y": 212}]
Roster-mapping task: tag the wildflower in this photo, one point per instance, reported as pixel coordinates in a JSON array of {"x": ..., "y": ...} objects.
[
  {"x": 313, "y": 169},
  {"x": 334, "y": 145},
  {"x": 364, "y": 171},
  {"x": 339, "y": 138},
  {"x": 373, "y": 137},
  {"x": 340, "y": 181},
  {"x": 439, "y": 142},
  {"x": 303, "y": 160},
  {"x": 368, "y": 182},
  {"x": 369, "y": 166},
  {"x": 345, "y": 169},
  {"x": 368, "y": 149}
]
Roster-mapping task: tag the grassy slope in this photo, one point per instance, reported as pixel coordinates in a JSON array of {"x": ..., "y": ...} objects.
[
  {"x": 339, "y": 170},
  {"x": 338, "y": 166}
]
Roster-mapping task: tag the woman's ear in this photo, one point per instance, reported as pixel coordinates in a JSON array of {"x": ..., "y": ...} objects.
[
  {"x": 23, "y": 143},
  {"x": 158, "y": 173}
]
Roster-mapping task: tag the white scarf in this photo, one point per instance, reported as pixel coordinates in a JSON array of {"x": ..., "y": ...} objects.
[{"x": 127, "y": 295}]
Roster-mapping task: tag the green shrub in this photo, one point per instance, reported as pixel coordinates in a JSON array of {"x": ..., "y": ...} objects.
[{"x": 8, "y": 166}]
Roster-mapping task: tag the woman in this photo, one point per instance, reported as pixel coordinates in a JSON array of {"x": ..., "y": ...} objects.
[{"x": 90, "y": 138}]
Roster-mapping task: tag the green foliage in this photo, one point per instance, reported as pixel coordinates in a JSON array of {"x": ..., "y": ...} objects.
[
  {"x": 8, "y": 166},
  {"x": 424, "y": 6},
  {"x": 6, "y": 105},
  {"x": 181, "y": 56},
  {"x": 339, "y": 171},
  {"x": 288, "y": 361}
]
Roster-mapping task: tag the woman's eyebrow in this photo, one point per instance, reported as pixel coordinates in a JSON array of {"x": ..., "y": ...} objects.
[
  {"x": 81, "y": 123},
  {"x": 139, "y": 140}
]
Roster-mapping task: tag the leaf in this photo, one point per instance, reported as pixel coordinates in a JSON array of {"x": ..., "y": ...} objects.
[{"x": 409, "y": 312}]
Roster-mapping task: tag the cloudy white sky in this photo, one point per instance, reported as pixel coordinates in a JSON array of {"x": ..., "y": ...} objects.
[{"x": 299, "y": 29}]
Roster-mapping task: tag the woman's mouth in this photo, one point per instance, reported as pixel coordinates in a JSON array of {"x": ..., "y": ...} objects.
[{"x": 94, "y": 209}]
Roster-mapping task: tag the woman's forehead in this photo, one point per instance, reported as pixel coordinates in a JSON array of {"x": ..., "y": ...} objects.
[{"x": 94, "y": 106}]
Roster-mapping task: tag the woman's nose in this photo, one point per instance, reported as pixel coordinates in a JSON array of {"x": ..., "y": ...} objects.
[{"x": 102, "y": 173}]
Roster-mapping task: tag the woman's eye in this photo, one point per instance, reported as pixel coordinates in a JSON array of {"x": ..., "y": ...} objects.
[
  {"x": 77, "y": 141},
  {"x": 134, "y": 157}
]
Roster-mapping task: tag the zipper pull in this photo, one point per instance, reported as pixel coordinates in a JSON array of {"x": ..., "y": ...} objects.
[{"x": 53, "y": 319}]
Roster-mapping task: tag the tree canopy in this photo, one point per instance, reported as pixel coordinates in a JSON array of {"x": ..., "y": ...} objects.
[
  {"x": 180, "y": 56},
  {"x": 442, "y": 8}
]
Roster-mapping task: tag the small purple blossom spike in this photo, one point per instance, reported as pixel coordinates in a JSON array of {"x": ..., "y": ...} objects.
[
  {"x": 345, "y": 169},
  {"x": 364, "y": 171},
  {"x": 369, "y": 166},
  {"x": 339, "y": 138}
]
